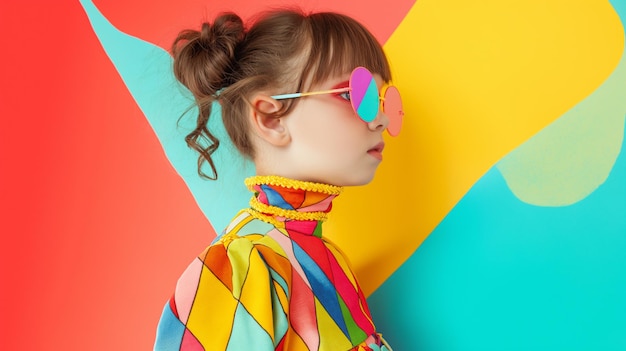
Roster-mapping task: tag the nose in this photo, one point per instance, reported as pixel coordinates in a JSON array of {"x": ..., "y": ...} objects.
[{"x": 379, "y": 123}]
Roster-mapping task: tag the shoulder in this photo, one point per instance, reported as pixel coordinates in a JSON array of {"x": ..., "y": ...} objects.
[
  {"x": 243, "y": 249},
  {"x": 221, "y": 274},
  {"x": 247, "y": 233},
  {"x": 226, "y": 289},
  {"x": 244, "y": 226}
]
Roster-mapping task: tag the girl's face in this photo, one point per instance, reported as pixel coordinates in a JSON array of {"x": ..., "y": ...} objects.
[{"x": 330, "y": 143}]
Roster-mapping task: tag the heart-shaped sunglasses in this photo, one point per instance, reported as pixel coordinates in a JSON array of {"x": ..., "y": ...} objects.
[{"x": 365, "y": 99}]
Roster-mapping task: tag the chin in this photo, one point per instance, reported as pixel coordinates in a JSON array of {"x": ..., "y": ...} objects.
[
  {"x": 357, "y": 181},
  {"x": 342, "y": 178}
]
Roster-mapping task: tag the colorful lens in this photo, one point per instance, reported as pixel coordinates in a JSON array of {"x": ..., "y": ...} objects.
[
  {"x": 364, "y": 94},
  {"x": 366, "y": 101},
  {"x": 392, "y": 107}
]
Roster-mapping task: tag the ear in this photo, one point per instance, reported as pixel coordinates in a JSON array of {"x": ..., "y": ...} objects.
[{"x": 271, "y": 129}]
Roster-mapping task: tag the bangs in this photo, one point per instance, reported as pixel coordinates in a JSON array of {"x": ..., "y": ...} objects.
[{"x": 338, "y": 45}]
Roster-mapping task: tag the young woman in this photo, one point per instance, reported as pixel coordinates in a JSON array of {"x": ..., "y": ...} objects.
[{"x": 307, "y": 98}]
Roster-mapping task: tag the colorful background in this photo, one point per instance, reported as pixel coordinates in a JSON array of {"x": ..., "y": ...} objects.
[{"x": 496, "y": 222}]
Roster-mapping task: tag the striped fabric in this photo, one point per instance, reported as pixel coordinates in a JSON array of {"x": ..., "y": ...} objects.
[{"x": 271, "y": 281}]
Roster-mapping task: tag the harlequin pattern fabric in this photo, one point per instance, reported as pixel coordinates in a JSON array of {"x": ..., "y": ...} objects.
[{"x": 271, "y": 281}]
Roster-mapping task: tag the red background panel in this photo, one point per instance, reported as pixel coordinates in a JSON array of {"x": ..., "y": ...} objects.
[
  {"x": 159, "y": 21},
  {"x": 93, "y": 217}
]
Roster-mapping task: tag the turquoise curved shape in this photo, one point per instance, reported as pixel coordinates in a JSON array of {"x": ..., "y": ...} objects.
[
  {"x": 146, "y": 71},
  {"x": 501, "y": 274}
]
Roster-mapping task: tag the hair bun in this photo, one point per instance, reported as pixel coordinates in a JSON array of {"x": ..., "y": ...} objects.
[
  {"x": 203, "y": 59},
  {"x": 226, "y": 30}
]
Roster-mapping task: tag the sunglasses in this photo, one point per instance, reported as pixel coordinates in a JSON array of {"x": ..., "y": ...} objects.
[{"x": 365, "y": 100}]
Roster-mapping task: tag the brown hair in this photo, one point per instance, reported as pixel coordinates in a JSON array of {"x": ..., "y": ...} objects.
[{"x": 282, "y": 50}]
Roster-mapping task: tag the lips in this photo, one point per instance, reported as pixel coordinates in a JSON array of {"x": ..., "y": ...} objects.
[{"x": 377, "y": 151}]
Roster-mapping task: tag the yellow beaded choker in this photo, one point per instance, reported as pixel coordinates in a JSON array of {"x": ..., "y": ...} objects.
[
  {"x": 293, "y": 184},
  {"x": 261, "y": 209}
]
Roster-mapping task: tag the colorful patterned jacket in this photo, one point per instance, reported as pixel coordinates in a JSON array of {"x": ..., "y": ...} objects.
[{"x": 271, "y": 281}]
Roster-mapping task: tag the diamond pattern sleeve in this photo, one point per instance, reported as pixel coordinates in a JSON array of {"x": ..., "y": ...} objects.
[{"x": 221, "y": 302}]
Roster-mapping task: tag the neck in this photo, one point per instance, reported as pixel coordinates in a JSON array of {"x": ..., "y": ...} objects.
[{"x": 291, "y": 203}]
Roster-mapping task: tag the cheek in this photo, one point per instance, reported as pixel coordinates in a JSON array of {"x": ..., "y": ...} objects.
[
  {"x": 333, "y": 121},
  {"x": 348, "y": 126}
]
